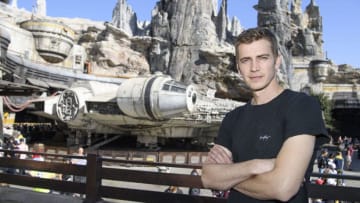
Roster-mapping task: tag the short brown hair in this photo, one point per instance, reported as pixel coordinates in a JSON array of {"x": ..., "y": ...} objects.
[{"x": 253, "y": 34}]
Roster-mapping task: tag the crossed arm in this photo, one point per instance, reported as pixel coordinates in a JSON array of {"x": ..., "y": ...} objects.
[{"x": 278, "y": 178}]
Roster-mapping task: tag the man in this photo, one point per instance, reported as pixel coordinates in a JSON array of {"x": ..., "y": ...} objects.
[{"x": 264, "y": 148}]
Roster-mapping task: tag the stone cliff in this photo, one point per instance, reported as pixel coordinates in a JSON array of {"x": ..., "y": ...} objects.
[
  {"x": 193, "y": 42},
  {"x": 189, "y": 40}
]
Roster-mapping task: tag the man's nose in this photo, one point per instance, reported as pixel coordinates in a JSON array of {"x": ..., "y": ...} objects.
[{"x": 254, "y": 66}]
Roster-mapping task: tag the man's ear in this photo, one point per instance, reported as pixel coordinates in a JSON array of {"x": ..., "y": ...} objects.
[
  {"x": 238, "y": 68},
  {"x": 239, "y": 72},
  {"x": 278, "y": 62}
]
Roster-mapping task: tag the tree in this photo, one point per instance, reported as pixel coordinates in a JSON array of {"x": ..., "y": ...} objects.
[{"x": 326, "y": 107}]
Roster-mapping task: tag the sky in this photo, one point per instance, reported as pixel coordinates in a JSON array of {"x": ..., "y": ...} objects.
[{"x": 341, "y": 28}]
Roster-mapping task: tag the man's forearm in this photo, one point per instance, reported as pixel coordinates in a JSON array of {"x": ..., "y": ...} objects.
[
  {"x": 284, "y": 181},
  {"x": 226, "y": 176},
  {"x": 258, "y": 187},
  {"x": 223, "y": 176}
]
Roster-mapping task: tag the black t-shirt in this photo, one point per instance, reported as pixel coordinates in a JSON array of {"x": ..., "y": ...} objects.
[{"x": 259, "y": 131}]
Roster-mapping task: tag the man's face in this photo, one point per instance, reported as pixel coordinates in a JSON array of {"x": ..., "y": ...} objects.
[{"x": 257, "y": 64}]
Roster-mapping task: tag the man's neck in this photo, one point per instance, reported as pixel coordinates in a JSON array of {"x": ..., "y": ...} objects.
[{"x": 266, "y": 95}]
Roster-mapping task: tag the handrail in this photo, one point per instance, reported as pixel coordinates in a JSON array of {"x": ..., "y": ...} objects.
[
  {"x": 337, "y": 176},
  {"x": 95, "y": 172}
]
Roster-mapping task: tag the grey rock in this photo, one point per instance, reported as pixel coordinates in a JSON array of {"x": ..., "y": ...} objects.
[
  {"x": 124, "y": 17},
  {"x": 193, "y": 41}
]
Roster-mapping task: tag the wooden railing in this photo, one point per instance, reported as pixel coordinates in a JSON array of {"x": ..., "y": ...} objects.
[{"x": 96, "y": 173}]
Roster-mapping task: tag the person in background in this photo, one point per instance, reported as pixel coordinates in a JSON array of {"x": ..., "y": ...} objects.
[
  {"x": 331, "y": 169},
  {"x": 339, "y": 163},
  {"x": 37, "y": 156},
  {"x": 79, "y": 161},
  {"x": 322, "y": 160},
  {"x": 174, "y": 189},
  {"x": 194, "y": 191},
  {"x": 12, "y": 146},
  {"x": 349, "y": 154},
  {"x": 2, "y": 155},
  {"x": 339, "y": 140},
  {"x": 22, "y": 147},
  {"x": 265, "y": 148},
  {"x": 220, "y": 193}
]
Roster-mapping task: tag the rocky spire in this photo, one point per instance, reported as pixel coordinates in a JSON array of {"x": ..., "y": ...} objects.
[
  {"x": 186, "y": 27},
  {"x": 307, "y": 36},
  {"x": 296, "y": 12},
  {"x": 221, "y": 24},
  {"x": 314, "y": 18},
  {"x": 235, "y": 27},
  {"x": 40, "y": 8},
  {"x": 14, "y": 3},
  {"x": 124, "y": 18},
  {"x": 273, "y": 14},
  {"x": 312, "y": 3},
  {"x": 215, "y": 6}
]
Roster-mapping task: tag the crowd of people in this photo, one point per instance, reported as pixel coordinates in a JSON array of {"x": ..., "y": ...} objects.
[
  {"x": 330, "y": 163},
  {"x": 335, "y": 163},
  {"x": 17, "y": 142}
]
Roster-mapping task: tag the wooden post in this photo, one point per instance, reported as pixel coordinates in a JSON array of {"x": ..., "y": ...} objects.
[{"x": 93, "y": 178}]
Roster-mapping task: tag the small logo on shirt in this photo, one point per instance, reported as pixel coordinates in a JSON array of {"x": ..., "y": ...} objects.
[{"x": 264, "y": 137}]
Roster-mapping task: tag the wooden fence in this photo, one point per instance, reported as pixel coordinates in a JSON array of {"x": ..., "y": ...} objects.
[{"x": 96, "y": 172}]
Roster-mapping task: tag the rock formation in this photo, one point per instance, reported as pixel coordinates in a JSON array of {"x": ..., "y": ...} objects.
[
  {"x": 307, "y": 30},
  {"x": 273, "y": 14},
  {"x": 194, "y": 45},
  {"x": 193, "y": 41},
  {"x": 14, "y": 3},
  {"x": 124, "y": 17},
  {"x": 40, "y": 8}
]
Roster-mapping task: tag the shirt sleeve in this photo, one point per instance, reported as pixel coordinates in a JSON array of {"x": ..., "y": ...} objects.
[{"x": 304, "y": 116}]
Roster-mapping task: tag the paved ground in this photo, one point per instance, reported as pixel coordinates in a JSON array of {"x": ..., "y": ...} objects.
[{"x": 26, "y": 195}]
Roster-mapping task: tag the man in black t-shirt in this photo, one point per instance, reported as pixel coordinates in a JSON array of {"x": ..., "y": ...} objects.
[{"x": 264, "y": 149}]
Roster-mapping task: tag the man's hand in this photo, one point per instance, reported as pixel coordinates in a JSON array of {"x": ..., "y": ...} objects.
[{"x": 219, "y": 155}]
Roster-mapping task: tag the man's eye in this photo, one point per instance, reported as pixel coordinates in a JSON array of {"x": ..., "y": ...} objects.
[
  {"x": 243, "y": 61},
  {"x": 263, "y": 57}
]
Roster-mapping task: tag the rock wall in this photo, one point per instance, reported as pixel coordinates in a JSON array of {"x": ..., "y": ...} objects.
[
  {"x": 195, "y": 44},
  {"x": 193, "y": 41},
  {"x": 306, "y": 30}
]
